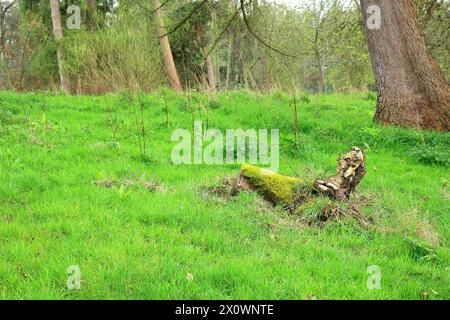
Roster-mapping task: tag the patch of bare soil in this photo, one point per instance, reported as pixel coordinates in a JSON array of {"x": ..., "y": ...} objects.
[
  {"x": 221, "y": 191},
  {"x": 129, "y": 183}
]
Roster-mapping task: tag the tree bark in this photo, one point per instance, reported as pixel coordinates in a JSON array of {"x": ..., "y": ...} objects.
[
  {"x": 229, "y": 61},
  {"x": 210, "y": 71},
  {"x": 171, "y": 70},
  {"x": 2, "y": 30},
  {"x": 281, "y": 190},
  {"x": 412, "y": 92},
  {"x": 91, "y": 16},
  {"x": 4, "y": 8},
  {"x": 57, "y": 32},
  {"x": 2, "y": 43},
  {"x": 320, "y": 76},
  {"x": 265, "y": 74}
]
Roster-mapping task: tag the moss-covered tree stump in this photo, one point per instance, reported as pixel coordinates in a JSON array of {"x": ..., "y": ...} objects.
[
  {"x": 282, "y": 190},
  {"x": 275, "y": 188}
]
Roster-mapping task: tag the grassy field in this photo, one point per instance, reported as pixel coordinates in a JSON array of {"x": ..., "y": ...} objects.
[{"x": 75, "y": 189}]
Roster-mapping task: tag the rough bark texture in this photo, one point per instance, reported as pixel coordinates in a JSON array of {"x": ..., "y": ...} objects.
[
  {"x": 229, "y": 60},
  {"x": 171, "y": 70},
  {"x": 287, "y": 191},
  {"x": 91, "y": 15},
  {"x": 266, "y": 85},
  {"x": 412, "y": 91},
  {"x": 57, "y": 32},
  {"x": 349, "y": 173},
  {"x": 210, "y": 71}
]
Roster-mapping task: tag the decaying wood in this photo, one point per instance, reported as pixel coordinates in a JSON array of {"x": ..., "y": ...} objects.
[
  {"x": 275, "y": 188},
  {"x": 350, "y": 171}
]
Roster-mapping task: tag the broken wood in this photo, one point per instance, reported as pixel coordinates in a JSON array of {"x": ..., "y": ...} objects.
[
  {"x": 349, "y": 173},
  {"x": 275, "y": 188},
  {"x": 282, "y": 190}
]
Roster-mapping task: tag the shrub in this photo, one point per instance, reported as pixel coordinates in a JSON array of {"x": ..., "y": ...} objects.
[{"x": 431, "y": 155}]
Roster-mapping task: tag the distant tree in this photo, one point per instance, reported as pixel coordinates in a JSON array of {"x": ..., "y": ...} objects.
[
  {"x": 57, "y": 32},
  {"x": 171, "y": 69},
  {"x": 91, "y": 15},
  {"x": 412, "y": 91},
  {"x": 190, "y": 44},
  {"x": 5, "y": 6},
  {"x": 261, "y": 52}
]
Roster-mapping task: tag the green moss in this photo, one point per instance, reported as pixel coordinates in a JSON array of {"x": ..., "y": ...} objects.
[{"x": 274, "y": 187}]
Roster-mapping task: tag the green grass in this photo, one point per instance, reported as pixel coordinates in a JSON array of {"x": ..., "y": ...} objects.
[{"x": 134, "y": 244}]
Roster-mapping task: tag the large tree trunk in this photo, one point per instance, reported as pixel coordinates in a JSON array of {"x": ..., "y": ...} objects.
[
  {"x": 57, "y": 31},
  {"x": 412, "y": 91},
  {"x": 171, "y": 70}
]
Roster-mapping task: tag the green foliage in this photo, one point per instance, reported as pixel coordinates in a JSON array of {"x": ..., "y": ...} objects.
[
  {"x": 190, "y": 40},
  {"x": 420, "y": 250},
  {"x": 113, "y": 59},
  {"x": 123, "y": 51},
  {"x": 432, "y": 155},
  {"x": 311, "y": 212},
  {"x": 304, "y": 98},
  {"x": 280, "y": 96},
  {"x": 56, "y": 209}
]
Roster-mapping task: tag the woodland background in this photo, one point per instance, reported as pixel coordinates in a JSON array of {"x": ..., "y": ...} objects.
[{"x": 318, "y": 46}]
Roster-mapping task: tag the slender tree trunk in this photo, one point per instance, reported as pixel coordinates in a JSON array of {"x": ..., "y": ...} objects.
[
  {"x": 171, "y": 70},
  {"x": 216, "y": 57},
  {"x": 242, "y": 73},
  {"x": 210, "y": 71},
  {"x": 91, "y": 15},
  {"x": 2, "y": 43},
  {"x": 266, "y": 72},
  {"x": 229, "y": 61},
  {"x": 4, "y": 8},
  {"x": 412, "y": 91},
  {"x": 57, "y": 31},
  {"x": 2, "y": 29},
  {"x": 217, "y": 64},
  {"x": 320, "y": 79},
  {"x": 265, "y": 75}
]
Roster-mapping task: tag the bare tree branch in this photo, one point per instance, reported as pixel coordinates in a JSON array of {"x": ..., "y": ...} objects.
[
  {"x": 227, "y": 26},
  {"x": 257, "y": 37},
  {"x": 184, "y": 20}
]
